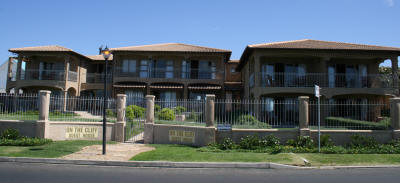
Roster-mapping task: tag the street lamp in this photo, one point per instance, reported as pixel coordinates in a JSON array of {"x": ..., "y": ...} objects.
[{"x": 106, "y": 54}]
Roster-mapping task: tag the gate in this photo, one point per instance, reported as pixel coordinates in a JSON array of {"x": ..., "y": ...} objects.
[{"x": 135, "y": 117}]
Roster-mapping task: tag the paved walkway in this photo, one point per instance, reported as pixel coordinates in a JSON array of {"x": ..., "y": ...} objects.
[{"x": 115, "y": 152}]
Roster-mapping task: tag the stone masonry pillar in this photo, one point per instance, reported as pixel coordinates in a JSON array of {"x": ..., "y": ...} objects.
[
  {"x": 209, "y": 111},
  {"x": 303, "y": 116},
  {"x": 395, "y": 116},
  {"x": 149, "y": 125},
  {"x": 42, "y": 125},
  {"x": 19, "y": 65},
  {"x": 119, "y": 126},
  {"x": 395, "y": 73}
]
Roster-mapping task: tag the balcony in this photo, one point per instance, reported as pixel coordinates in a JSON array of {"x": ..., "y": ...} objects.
[
  {"x": 54, "y": 75},
  {"x": 166, "y": 74},
  {"x": 97, "y": 78},
  {"x": 325, "y": 80}
]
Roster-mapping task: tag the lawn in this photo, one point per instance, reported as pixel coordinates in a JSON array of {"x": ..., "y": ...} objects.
[
  {"x": 52, "y": 150},
  {"x": 178, "y": 153}
]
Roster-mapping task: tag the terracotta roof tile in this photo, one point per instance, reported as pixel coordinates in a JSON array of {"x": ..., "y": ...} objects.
[
  {"x": 325, "y": 45},
  {"x": 98, "y": 57},
  {"x": 173, "y": 47},
  {"x": 41, "y": 48}
]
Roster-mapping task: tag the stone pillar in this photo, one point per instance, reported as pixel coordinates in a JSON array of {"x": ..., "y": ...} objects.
[
  {"x": 42, "y": 126},
  {"x": 66, "y": 67},
  {"x": 395, "y": 73},
  {"x": 210, "y": 108},
  {"x": 9, "y": 68},
  {"x": 65, "y": 100},
  {"x": 150, "y": 108},
  {"x": 395, "y": 116},
  {"x": 19, "y": 65},
  {"x": 303, "y": 116},
  {"x": 119, "y": 126}
]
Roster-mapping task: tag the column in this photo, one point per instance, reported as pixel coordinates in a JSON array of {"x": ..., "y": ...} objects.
[
  {"x": 185, "y": 91},
  {"x": 395, "y": 73},
  {"x": 395, "y": 116},
  {"x": 66, "y": 67},
  {"x": 209, "y": 111},
  {"x": 19, "y": 65},
  {"x": 42, "y": 126},
  {"x": 119, "y": 126},
  {"x": 9, "y": 68},
  {"x": 65, "y": 100},
  {"x": 257, "y": 74},
  {"x": 303, "y": 116},
  {"x": 149, "y": 125}
]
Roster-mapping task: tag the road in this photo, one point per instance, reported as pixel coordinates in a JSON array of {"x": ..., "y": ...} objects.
[{"x": 40, "y": 173}]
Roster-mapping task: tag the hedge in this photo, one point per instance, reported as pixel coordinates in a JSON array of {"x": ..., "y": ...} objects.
[{"x": 357, "y": 124}]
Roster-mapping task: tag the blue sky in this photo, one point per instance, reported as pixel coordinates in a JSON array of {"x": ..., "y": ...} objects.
[{"x": 85, "y": 25}]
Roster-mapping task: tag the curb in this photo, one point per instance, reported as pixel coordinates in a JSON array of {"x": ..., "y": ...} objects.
[
  {"x": 150, "y": 164},
  {"x": 354, "y": 167}
]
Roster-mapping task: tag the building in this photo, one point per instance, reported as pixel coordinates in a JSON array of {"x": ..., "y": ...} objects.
[{"x": 268, "y": 72}]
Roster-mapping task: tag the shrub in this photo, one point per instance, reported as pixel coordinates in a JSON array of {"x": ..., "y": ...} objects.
[
  {"x": 134, "y": 111},
  {"x": 358, "y": 141},
  {"x": 249, "y": 142},
  {"x": 326, "y": 141},
  {"x": 250, "y": 120},
  {"x": 110, "y": 113},
  {"x": 157, "y": 107},
  {"x": 166, "y": 114},
  {"x": 227, "y": 144},
  {"x": 192, "y": 117},
  {"x": 301, "y": 141},
  {"x": 10, "y": 134},
  {"x": 356, "y": 124},
  {"x": 24, "y": 141},
  {"x": 179, "y": 110},
  {"x": 269, "y": 141}
]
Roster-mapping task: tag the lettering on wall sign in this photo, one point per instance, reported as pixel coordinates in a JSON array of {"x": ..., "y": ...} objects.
[
  {"x": 181, "y": 136},
  {"x": 81, "y": 132}
]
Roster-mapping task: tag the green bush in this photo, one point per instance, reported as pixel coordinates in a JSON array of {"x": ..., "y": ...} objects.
[
  {"x": 227, "y": 144},
  {"x": 110, "y": 113},
  {"x": 193, "y": 117},
  {"x": 326, "y": 141},
  {"x": 301, "y": 141},
  {"x": 357, "y": 124},
  {"x": 24, "y": 141},
  {"x": 166, "y": 114},
  {"x": 134, "y": 111},
  {"x": 250, "y": 120},
  {"x": 179, "y": 110},
  {"x": 157, "y": 107},
  {"x": 269, "y": 141},
  {"x": 10, "y": 134},
  {"x": 358, "y": 141},
  {"x": 250, "y": 142}
]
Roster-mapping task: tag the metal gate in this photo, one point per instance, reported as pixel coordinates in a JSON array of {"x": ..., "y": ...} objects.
[{"x": 135, "y": 117}]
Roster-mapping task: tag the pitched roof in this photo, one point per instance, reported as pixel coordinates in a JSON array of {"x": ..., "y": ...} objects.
[
  {"x": 98, "y": 57},
  {"x": 233, "y": 61},
  {"x": 171, "y": 47},
  {"x": 41, "y": 48},
  {"x": 325, "y": 45},
  {"x": 309, "y": 44}
]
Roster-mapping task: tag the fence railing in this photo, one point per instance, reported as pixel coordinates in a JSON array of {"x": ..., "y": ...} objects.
[
  {"x": 97, "y": 78},
  {"x": 180, "y": 112},
  {"x": 257, "y": 113},
  {"x": 19, "y": 107},
  {"x": 164, "y": 73},
  {"x": 57, "y": 75},
  {"x": 350, "y": 114},
  {"x": 337, "y": 80}
]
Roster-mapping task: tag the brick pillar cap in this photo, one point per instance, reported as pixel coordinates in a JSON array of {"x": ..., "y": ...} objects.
[{"x": 44, "y": 91}]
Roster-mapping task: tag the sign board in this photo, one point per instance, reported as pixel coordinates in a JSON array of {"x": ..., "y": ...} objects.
[
  {"x": 317, "y": 88},
  {"x": 181, "y": 136},
  {"x": 81, "y": 132},
  {"x": 224, "y": 127}
]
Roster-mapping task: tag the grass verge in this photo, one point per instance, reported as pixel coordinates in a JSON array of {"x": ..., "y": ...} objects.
[
  {"x": 179, "y": 153},
  {"x": 51, "y": 150}
]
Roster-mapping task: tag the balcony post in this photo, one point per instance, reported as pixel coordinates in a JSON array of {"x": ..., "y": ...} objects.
[
  {"x": 19, "y": 64},
  {"x": 395, "y": 73},
  {"x": 257, "y": 81},
  {"x": 66, "y": 67}
]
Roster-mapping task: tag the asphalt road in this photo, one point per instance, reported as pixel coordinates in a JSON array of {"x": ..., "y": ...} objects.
[{"x": 39, "y": 173}]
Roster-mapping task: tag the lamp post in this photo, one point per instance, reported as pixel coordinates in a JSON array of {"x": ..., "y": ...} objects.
[{"x": 106, "y": 54}]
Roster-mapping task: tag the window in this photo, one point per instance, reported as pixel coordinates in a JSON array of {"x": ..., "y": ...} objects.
[
  {"x": 129, "y": 66},
  {"x": 185, "y": 69},
  {"x": 144, "y": 68},
  {"x": 207, "y": 70},
  {"x": 233, "y": 70},
  {"x": 169, "y": 70}
]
